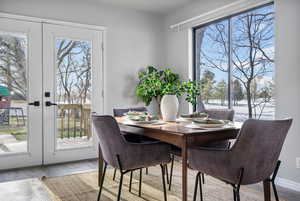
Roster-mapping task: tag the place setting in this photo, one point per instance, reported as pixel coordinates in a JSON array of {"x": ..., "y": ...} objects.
[
  {"x": 196, "y": 120},
  {"x": 200, "y": 120},
  {"x": 141, "y": 118}
]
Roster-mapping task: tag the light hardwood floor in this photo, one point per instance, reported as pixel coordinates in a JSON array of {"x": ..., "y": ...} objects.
[{"x": 89, "y": 165}]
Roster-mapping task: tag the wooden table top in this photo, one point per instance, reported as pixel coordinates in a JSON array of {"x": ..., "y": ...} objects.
[{"x": 176, "y": 127}]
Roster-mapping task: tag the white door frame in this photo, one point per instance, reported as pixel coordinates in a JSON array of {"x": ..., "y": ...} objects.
[{"x": 49, "y": 21}]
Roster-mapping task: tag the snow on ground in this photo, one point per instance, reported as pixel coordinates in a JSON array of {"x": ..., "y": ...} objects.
[{"x": 241, "y": 111}]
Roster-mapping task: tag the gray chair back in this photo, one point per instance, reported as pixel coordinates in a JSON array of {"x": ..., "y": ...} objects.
[
  {"x": 221, "y": 114},
  {"x": 120, "y": 112},
  {"x": 110, "y": 139},
  {"x": 258, "y": 147}
]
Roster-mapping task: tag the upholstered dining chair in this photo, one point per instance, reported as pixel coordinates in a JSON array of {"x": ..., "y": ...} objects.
[
  {"x": 252, "y": 159},
  {"x": 221, "y": 114},
  {"x": 127, "y": 156},
  {"x": 119, "y": 112}
]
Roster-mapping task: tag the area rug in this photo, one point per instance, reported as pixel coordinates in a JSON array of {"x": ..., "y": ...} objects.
[{"x": 84, "y": 187}]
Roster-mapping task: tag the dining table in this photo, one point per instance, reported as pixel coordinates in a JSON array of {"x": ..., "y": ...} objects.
[{"x": 182, "y": 136}]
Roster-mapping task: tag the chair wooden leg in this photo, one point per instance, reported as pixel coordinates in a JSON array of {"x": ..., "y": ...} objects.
[
  {"x": 267, "y": 192},
  {"x": 163, "y": 181},
  {"x": 120, "y": 186},
  {"x": 140, "y": 184},
  {"x": 171, "y": 172},
  {"x": 130, "y": 181},
  {"x": 147, "y": 171},
  {"x": 115, "y": 172},
  {"x": 203, "y": 180},
  {"x": 195, "y": 188},
  {"x": 101, "y": 182}
]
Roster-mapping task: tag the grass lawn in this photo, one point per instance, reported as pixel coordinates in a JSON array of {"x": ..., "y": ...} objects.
[{"x": 20, "y": 132}]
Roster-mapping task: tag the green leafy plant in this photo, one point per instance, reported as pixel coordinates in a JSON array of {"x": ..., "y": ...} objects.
[
  {"x": 169, "y": 77},
  {"x": 154, "y": 84},
  {"x": 149, "y": 85},
  {"x": 172, "y": 89},
  {"x": 192, "y": 90},
  {"x": 171, "y": 84}
]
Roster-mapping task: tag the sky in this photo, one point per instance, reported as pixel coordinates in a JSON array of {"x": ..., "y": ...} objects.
[{"x": 214, "y": 52}]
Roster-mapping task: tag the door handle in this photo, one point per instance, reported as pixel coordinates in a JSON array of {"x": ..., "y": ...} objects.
[
  {"x": 48, "y": 103},
  {"x": 35, "y": 103}
]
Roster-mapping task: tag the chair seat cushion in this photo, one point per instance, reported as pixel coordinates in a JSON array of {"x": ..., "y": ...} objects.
[{"x": 141, "y": 155}]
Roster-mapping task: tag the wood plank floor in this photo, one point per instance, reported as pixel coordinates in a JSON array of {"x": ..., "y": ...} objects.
[{"x": 88, "y": 165}]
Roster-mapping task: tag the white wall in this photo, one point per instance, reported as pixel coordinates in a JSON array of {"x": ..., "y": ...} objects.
[
  {"x": 177, "y": 42},
  {"x": 288, "y": 82},
  {"x": 287, "y": 67},
  {"x": 133, "y": 39}
]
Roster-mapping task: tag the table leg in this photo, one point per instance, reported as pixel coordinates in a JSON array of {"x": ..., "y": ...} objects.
[
  {"x": 267, "y": 190},
  {"x": 184, "y": 169}
]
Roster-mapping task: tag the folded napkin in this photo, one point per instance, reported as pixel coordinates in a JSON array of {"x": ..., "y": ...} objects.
[
  {"x": 143, "y": 118},
  {"x": 195, "y": 115},
  {"x": 135, "y": 113},
  {"x": 208, "y": 121}
]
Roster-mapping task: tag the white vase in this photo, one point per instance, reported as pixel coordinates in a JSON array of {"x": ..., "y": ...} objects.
[
  {"x": 169, "y": 107},
  {"x": 153, "y": 108}
]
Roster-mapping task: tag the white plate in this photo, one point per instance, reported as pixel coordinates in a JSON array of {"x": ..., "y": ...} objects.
[
  {"x": 204, "y": 126},
  {"x": 210, "y": 125},
  {"x": 141, "y": 122},
  {"x": 182, "y": 119}
]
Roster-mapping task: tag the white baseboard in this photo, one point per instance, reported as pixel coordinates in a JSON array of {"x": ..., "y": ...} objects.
[{"x": 286, "y": 183}]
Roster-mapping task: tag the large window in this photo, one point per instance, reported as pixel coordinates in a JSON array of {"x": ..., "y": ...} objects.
[{"x": 234, "y": 61}]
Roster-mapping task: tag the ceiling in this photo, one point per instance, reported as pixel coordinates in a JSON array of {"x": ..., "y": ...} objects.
[{"x": 159, "y": 6}]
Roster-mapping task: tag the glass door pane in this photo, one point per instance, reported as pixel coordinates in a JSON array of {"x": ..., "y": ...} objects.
[
  {"x": 73, "y": 93},
  {"x": 13, "y": 92}
]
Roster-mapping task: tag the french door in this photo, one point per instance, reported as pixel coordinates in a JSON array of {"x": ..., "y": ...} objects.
[
  {"x": 72, "y": 90},
  {"x": 50, "y": 83},
  {"x": 20, "y": 93}
]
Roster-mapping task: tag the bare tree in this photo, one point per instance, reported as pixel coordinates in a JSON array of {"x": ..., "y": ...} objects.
[
  {"x": 73, "y": 68},
  {"x": 252, "y": 49},
  {"x": 74, "y": 71},
  {"x": 84, "y": 74},
  {"x": 13, "y": 64}
]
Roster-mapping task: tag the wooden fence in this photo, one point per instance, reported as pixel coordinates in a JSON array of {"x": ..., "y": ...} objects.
[{"x": 74, "y": 120}]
